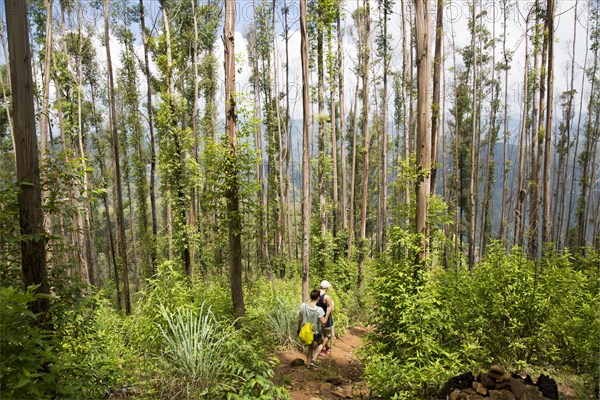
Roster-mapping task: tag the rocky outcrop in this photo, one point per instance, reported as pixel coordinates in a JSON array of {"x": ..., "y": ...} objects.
[{"x": 497, "y": 384}]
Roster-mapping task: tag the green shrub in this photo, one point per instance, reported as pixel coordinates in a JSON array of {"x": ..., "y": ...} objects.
[
  {"x": 26, "y": 349},
  {"x": 79, "y": 358},
  {"x": 414, "y": 344},
  {"x": 434, "y": 323}
]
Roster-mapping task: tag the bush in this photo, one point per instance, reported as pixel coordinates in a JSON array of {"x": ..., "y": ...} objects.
[
  {"x": 509, "y": 310},
  {"x": 414, "y": 344},
  {"x": 80, "y": 357},
  {"x": 26, "y": 349}
]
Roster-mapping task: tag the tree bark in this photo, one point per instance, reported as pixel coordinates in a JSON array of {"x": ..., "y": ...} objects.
[
  {"x": 365, "y": 144},
  {"x": 546, "y": 222},
  {"x": 154, "y": 250},
  {"x": 353, "y": 169},
  {"x": 384, "y": 133},
  {"x": 334, "y": 160},
  {"x": 31, "y": 220},
  {"x": 435, "y": 108},
  {"x": 343, "y": 204},
  {"x": 568, "y": 123},
  {"x": 306, "y": 150},
  {"x": 521, "y": 195},
  {"x": 474, "y": 140},
  {"x": 505, "y": 166},
  {"x": 232, "y": 192},
  {"x": 423, "y": 183},
  {"x": 115, "y": 142}
]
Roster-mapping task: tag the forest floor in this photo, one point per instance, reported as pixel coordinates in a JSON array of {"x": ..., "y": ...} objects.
[{"x": 337, "y": 376}]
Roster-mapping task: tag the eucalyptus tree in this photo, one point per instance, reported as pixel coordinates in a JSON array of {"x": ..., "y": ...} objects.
[
  {"x": 505, "y": 66},
  {"x": 521, "y": 192},
  {"x": 565, "y": 143},
  {"x": 366, "y": 11},
  {"x": 474, "y": 153},
  {"x": 305, "y": 150},
  {"x": 549, "y": 34},
  {"x": 134, "y": 164},
  {"x": 33, "y": 246},
  {"x": 386, "y": 8},
  {"x": 422, "y": 26},
  {"x": 262, "y": 226},
  {"x": 152, "y": 144},
  {"x": 175, "y": 142},
  {"x": 232, "y": 191},
  {"x": 115, "y": 145},
  {"x": 342, "y": 116},
  {"x": 435, "y": 108}
]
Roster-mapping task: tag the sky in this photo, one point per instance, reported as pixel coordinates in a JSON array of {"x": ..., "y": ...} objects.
[{"x": 457, "y": 14}]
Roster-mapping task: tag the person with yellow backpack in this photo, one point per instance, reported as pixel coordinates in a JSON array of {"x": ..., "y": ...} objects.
[{"x": 311, "y": 318}]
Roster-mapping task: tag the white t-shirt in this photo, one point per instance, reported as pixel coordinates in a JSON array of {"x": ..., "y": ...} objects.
[{"x": 312, "y": 315}]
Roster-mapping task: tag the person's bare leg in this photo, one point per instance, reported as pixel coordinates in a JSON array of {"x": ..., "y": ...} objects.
[
  {"x": 317, "y": 351},
  {"x": 308, "y": 354}
]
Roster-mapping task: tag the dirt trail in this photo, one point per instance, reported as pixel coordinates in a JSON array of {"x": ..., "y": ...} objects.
[{"x": 338, "y": 375}]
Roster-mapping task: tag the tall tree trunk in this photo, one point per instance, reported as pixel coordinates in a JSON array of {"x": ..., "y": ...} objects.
[
  {"x": 365, "y": 144},
  {"x": 281, "y": 231},
  {"x": 333, "y": 145},
  {"x": 353, "y": 169},
  {"x": 586, "y": 169},
  {"x": 232, "y": 191},
  {"x": 537, "y": 141},
  {"x": 154, "y": 250},
  {"x": 178, "y": 207},
  {"x": 474, "y": 140},
  {"x": 340, "y": 53},
  {"x": 435, "y": 108},
  {"x": 522, "y": 193},
  {"x": 321, "y": 121},
  {"x": 406, "y": 110},
  {"x": 288, "y": 134},
  {"x": 85, "y": 231},
  {"x": 546, "y": 222},
  {"x": 384, "y": 151},
  {"x": 505, "y": 165},
  {"x": 561, "y": 212},
  {"x": 45, "y": 112},
  {"x": 486, "y": 223},
  {"x": 31, "y": 220},
  {"x": 306, "y": 151},
  {"x": 423, "y": 183},
  {"x": 115, "y": 143},
  {"x": 194, "y": 192}
]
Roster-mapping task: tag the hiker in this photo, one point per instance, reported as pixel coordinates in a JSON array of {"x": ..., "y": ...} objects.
[
  {"x": 326, "y": 303},
  {"x": 310, "y": 312}
]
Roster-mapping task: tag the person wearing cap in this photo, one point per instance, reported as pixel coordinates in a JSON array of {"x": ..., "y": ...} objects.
[{"x": 326, "y": 303}]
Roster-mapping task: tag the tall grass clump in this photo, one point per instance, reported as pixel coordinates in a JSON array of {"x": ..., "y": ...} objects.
[
  {"x": 203, "y": 357},
  {"x": 272, "y": 311},
  {"x": 196, "y": 350}
]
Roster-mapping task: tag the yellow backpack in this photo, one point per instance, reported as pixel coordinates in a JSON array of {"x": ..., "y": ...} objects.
[{"x": 306, "y": 334}]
